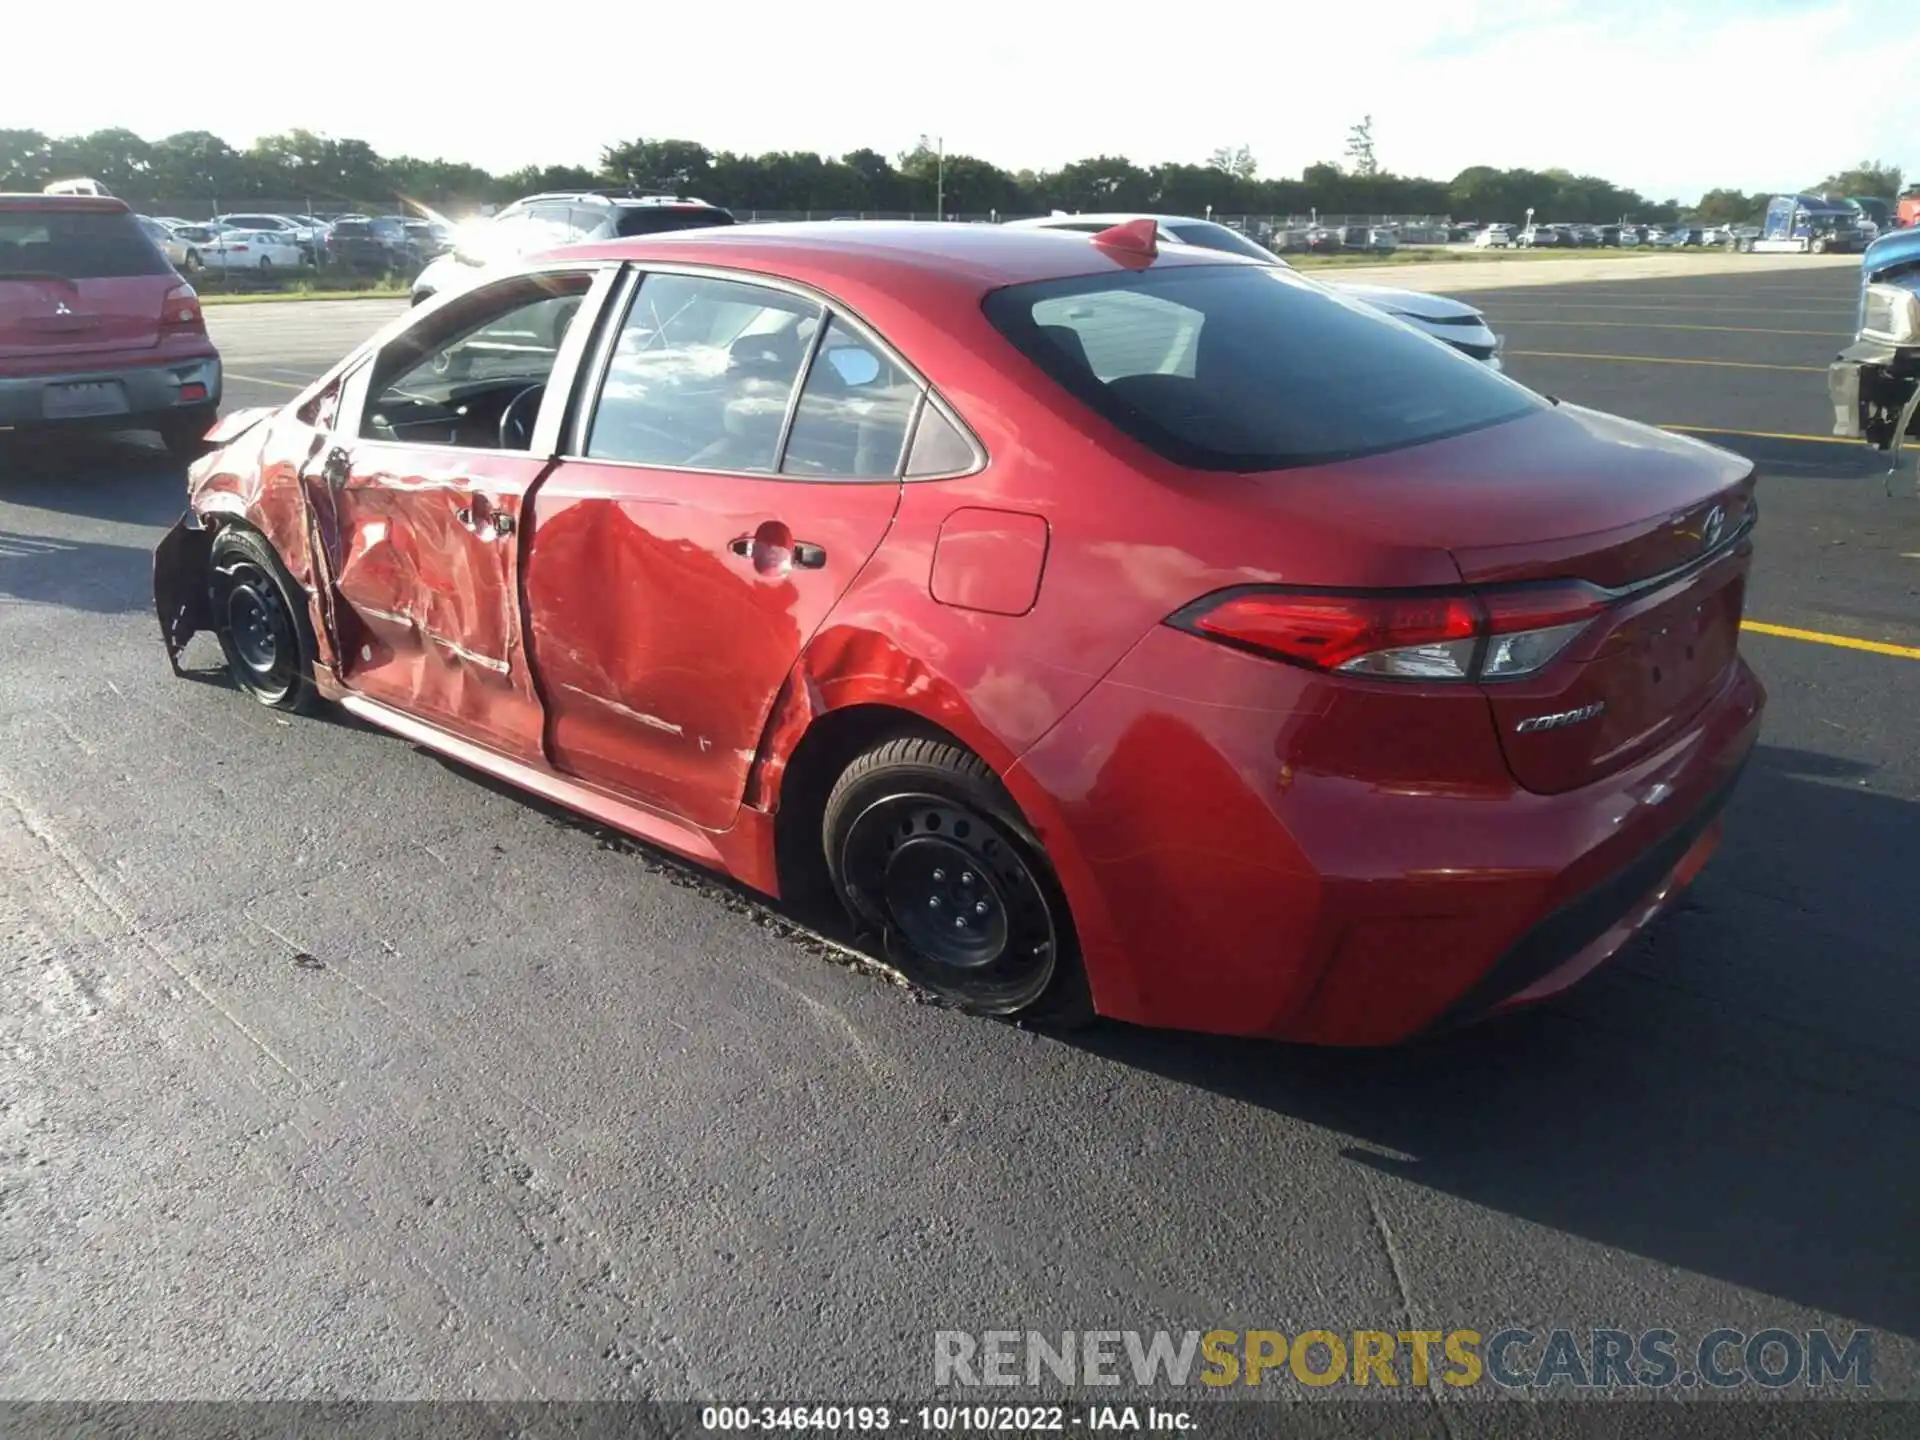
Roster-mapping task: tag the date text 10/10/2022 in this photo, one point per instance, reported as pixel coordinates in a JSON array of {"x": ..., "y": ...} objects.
[{"x": 1018, "y": 1419}]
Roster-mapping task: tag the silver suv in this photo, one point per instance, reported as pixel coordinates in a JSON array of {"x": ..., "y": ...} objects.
[{"x": 546, "y": 222}]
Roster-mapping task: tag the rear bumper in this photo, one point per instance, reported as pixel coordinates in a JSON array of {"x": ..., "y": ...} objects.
[
  {"x": 1588, "y": 930},
  {"x": 149, "y": 389},
  {"x": 1293, "y": 870}
]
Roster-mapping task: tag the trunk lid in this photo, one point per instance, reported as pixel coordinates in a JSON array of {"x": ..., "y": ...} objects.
[
  {"x": 1438, "y": 308},
  {"x": 1663, "y": 526},
  {"x": 1656, "y": 519},
  {"x": 51, "y": 315}
]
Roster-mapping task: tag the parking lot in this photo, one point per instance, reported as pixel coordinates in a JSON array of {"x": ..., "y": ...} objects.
[{"x": 330, "y": 1069}]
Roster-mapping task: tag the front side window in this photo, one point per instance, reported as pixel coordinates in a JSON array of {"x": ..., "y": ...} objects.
[
  {"x": 702, "y": 375},
  {"x": 1249, "y": 367},
  {"x": 854, "y": 411},
  {"x": 473, "y": 375}
]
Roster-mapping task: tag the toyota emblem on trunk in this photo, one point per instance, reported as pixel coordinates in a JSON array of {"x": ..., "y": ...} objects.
[{"x": 1712, "y": 526}]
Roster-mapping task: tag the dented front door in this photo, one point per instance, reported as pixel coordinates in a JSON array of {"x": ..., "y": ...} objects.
[
  {"x": 423, "y": 546},
  {"x": 419, "y": 499}
]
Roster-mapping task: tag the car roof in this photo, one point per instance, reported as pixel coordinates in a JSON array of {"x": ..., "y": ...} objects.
[
  {"x": 954, "y": 255},
  {"x": 99, "y": 204}
]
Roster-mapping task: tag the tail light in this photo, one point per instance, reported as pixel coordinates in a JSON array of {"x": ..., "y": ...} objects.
[
  {"x": 180, "y": 312},
  {"x": 1445, "y": 635}
]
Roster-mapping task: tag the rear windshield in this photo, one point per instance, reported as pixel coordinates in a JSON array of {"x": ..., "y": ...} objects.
[
  {"x": 77, "y": 244},
  {"x": 350, "y": 228},
  {"x": 1249, "y": 367},
  {"x": 646, "y": 220}
]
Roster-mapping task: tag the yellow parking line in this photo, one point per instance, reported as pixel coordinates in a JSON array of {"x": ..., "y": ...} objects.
[
  {"x": 262, "y": 380},
  {"x": 1655, "y": 325},
  {"x": 1845, "y": 642},
  {"x": 1763, "y": 434},
  {"x": 1666, "y": 360}
]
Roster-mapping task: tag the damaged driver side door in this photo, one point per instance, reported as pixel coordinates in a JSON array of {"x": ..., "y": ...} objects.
[{"x": 419, "y": 495}]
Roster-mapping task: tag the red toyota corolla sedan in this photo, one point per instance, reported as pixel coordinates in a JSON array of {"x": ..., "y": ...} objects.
[{"x": 1110, "y": 630}]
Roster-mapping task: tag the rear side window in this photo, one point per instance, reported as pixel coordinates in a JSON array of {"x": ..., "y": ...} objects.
[
  {"x": 77, "y": 244},
  {"x": 938, "y": 447},
  {"x": 853, "y": 413},
  {"x": 702, "y": 376},
  {"x": 1249, "y": 367}
]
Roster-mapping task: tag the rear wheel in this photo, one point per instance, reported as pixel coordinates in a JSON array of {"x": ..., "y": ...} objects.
[
  {"x": 262, "y": 622},
  {"x": 926, "y": 847}
]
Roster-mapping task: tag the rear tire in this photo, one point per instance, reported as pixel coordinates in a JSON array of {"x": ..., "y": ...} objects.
[
  {"x": 926, "y": 849},
  {"x": 260, "y": 616}
]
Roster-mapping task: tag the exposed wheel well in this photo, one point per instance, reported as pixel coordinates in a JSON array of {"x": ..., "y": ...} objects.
[{"x": 827, "y": 748}]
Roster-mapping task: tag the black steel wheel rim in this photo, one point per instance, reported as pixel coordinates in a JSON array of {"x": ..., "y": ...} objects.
[
  {"x": 962, "y": 911},
  {"x": 262, "y": 647}
]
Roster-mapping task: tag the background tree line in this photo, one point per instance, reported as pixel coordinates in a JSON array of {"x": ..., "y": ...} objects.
[{"x": 330, "y": 174}]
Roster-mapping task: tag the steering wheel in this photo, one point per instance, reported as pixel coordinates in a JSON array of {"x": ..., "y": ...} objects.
[{"x": 516, "y": 421}]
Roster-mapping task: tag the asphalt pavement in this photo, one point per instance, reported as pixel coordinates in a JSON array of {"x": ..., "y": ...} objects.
[{"x": 327, "y": 1069}]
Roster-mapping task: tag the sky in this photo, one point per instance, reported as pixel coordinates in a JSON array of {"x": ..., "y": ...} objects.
[{"x": 1669, "y": 97}]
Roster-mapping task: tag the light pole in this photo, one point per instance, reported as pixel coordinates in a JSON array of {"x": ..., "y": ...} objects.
[{"x": 940, "y": 177}]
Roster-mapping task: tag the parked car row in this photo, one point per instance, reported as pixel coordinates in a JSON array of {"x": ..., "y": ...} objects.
[
  {"x": 266, "y": 242},
  {"x": 1542, "y": 235}
]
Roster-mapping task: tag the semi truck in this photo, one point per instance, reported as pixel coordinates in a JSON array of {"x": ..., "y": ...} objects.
[{"x": 1805, "y": 224}]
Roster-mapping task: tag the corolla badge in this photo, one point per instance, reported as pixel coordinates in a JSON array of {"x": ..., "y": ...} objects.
[{"x": 1559, "y": 719}]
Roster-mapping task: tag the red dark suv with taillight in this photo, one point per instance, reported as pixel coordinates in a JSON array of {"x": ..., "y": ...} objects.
[{"x": 97, "y": 329}]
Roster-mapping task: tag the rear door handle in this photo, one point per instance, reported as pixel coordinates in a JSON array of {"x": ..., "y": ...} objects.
[{"x": 774, "y": 537}]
